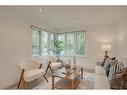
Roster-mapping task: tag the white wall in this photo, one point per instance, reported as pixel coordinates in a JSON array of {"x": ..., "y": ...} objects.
[
  {"x": 14, "y": 45},
  {"x": 122, "y": 39},
  {"x": 96, "y": 36}
]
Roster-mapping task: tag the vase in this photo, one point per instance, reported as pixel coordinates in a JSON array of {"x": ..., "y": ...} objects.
[{"x": 67, "y": 70}]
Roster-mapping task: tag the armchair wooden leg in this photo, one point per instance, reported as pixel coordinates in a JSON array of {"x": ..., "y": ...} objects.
[
  {"x": 49, "y": 67},
  {"x": 45, "y": 78},
  {"x": 46, "y": 70},
  {"x": 21, "y": 77},
  {"x": 51, "y": 70},
  {"x": 19, "y": 83}
]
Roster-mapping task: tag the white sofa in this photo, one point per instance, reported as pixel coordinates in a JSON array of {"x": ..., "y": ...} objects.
[{"x": 101, "y": 80}]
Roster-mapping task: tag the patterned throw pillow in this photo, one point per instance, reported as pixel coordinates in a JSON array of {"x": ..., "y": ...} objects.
[
  {"x": 111, "y": 64},
  {"x": 116, "y": 67},
  {"x": 119, "y": 80},
  {"x": 107, "y": 62}
]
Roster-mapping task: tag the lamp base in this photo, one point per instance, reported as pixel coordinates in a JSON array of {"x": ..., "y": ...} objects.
[
  {"x": 106, "y": 54},
  {"x": 105, "y": 57}
]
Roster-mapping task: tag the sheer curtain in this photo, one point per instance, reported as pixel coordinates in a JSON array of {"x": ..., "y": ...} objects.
[
  {"x": 70, "y": 43},
  {"x": 80, "y": 43},
  {"x": 44, "y": 43},
  {"x": 35, "y": 42}
]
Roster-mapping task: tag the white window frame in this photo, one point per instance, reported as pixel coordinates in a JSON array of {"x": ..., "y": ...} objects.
[
  {"x": 70, "y": 55},
  {"x": 86, "y": 45},
  {"x": 41, "y": 41}
]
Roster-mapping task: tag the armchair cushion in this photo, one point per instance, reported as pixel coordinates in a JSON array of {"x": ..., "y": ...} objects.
[
  {"x": 55, "y": 65},
  {"x": 33, "y": 74}
]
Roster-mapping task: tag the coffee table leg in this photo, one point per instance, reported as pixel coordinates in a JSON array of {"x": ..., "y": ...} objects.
[
  {"x": 72, "y": 84},
  {"x": 82, "y": 73},
  {"x": 52, "y": 82}
]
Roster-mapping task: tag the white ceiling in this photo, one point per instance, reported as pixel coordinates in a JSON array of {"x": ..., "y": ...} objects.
[{"x": 66, "y": 18}]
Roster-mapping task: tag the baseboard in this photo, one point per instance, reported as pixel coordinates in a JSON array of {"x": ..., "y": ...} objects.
[{"x": 7, "y": 84}]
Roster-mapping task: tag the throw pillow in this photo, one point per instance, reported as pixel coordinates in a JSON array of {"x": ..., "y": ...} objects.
[
  {"x": 108, "y": 69},
  {"x": 119, "y": 80},
  {"x": 111, "y": 64},
  {"x": 107, "y": 61},
  {"x": 113, "y": 68},
  {"x": 113, "y": 58}
]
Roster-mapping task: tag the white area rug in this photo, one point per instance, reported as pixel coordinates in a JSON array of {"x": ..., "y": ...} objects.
[{"x": 86, "y": 83}]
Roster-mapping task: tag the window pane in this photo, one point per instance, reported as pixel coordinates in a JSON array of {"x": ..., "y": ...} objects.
[
  {"x": 52, "y": 37},
  {"x": 70, "y": 43},
  {"x": 35, "y": 43},
  {"x": 61, "y": 37},
  {"x": 80, "y": 42},
  {"x": 44, "y": 43}
]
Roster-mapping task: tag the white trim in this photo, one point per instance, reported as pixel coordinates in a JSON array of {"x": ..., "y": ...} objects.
[
  {"x": 41, "y": 29},
  {"x": 77, "y": 56}
]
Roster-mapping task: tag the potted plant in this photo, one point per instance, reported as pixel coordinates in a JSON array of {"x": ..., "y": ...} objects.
[{"x": 58, "y": 47}]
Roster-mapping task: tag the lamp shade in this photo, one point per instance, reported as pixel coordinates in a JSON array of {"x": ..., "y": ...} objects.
[{"x": 106, "y": 47}]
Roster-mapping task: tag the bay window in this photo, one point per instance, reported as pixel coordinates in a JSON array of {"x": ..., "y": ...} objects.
[{"x": 74, "y": 43}]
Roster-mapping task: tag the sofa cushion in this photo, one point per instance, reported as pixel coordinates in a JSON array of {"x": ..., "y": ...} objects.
[
  {"x": 101, "y": 82},
  {"x": 99, "y": 70},
  {"x": 55, "y": 65}
]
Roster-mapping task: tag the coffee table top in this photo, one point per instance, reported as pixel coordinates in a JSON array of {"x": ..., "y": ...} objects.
[{"x": 61, "y": 73}]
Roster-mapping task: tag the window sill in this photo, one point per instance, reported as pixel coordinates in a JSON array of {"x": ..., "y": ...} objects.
[{"x": 80, "y": 56}]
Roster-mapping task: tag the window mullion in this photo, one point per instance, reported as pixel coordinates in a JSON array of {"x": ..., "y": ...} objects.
[
  {"x": 39, "y": 43},
  {"x": 75, "y": 42},
  {"x": 49, "y": 42},
  {"x": 65, "y": 44}
]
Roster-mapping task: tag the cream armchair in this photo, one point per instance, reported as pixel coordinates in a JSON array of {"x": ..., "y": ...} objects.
[
  {"x": 53, "y": 64},
  {"x": 30, "y": 70}
]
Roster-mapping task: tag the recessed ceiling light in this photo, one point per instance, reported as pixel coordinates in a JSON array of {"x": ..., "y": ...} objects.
[
  {"x": 96, "y": 13},
  {"x": 40, "y": 10}
]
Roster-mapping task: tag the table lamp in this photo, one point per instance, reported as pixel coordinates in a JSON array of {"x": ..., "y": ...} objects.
[{"x": 106, "y": 48}]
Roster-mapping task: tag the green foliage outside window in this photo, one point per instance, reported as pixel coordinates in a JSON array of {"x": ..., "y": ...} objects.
[
  {"x": 61, "y": 44},
  {"x": 58, "y": 47}
]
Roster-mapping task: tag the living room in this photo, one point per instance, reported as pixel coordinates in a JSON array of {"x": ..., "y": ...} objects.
[{"x": 91, "y": 27}]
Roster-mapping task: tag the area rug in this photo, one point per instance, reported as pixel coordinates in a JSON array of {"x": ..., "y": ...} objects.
[{"x": 86, "y": 83}]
